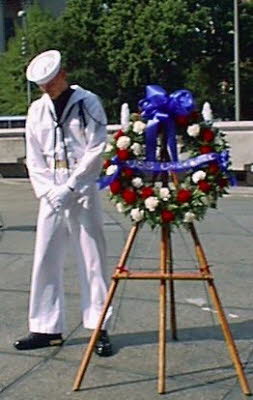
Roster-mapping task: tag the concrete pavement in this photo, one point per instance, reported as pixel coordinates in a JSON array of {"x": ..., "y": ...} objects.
[{"x": 198, "y": 365}]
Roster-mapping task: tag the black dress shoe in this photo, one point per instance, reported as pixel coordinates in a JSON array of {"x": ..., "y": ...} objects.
[
  {"x": 103, "y": 347},
  {"x": 38, "y": 340}
]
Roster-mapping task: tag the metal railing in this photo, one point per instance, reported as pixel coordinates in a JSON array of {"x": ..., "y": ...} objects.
[{"x": 12, "y": 121}]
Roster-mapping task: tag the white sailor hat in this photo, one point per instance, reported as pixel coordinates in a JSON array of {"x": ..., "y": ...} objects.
[{"x": 44, "y": 67}]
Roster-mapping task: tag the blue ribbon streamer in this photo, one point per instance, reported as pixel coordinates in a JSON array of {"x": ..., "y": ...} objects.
[
  {"x": 161, "y": 109},
  {"x": 176, "y": 166}
]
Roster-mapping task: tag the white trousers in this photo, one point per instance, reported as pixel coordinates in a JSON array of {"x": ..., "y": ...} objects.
[{"x": 81, "y": 224}]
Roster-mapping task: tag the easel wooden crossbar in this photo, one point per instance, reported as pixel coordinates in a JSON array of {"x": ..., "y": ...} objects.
[{"x": 166, "y": 275}]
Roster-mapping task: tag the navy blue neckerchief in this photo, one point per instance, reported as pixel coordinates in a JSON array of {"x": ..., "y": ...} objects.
[{"x": 60, "y": 124}]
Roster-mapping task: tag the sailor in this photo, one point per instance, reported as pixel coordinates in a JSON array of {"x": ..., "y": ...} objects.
[{"x": 65, "y": 139}]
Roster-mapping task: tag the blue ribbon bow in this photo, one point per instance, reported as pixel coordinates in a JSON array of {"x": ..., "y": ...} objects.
[{"x": 161, "y": 109}]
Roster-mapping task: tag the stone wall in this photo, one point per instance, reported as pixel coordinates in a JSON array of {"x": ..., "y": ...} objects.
[{"x": 239, "y": 136}]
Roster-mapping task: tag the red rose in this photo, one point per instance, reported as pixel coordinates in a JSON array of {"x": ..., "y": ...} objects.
[
  {"x": 123, "y": 154},
  {"x": 184, "y": 195},
  {"x": 106, "y": 163},
  {"x": 206, "y": 149},
  {"x": 194, "y": 116},
  {"x": 204, "y": 186},
  {"x": 182, "y": 120},
  {"x": 129, "y": 196},
  {"x": 115, "y": 187},
  {"x": 146, "y": 192},
  {"x": 213, "y": 168},
  {"x": 118, "y": 134},
  {"x": 222, "y": 182},
  {"x": 207, "y": 135},
  {"x": 128, "y": 172},
  {"x": 167, "y": 216}
]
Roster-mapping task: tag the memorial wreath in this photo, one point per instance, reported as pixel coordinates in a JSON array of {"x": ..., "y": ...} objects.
[{"x": 147, "y": 178}]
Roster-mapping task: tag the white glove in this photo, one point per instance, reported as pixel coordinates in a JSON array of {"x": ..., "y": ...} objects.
[{"x": 58, "y": 196}]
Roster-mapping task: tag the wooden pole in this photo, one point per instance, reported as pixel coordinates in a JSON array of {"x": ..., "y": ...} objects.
[
  {"x": 163, "y": 312},
  {"x": 165, "y": 156},
  {"x": 176, "y": 276},
  {"x": 173, "y": 321},
  {"x": 221, "y": 315},
  {"x": 127, "y": 248},
  {"x": 88, "y": 353}
]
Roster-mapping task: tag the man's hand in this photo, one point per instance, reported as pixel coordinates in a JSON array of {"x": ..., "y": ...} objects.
[{"x": 58, "y": 196}]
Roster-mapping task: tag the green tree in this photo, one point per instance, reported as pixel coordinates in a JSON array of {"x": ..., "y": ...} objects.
[
  {"x": 12, "y": 82},
  {"x": 246, "y": 60},
  {"x": 40, "y": 33},
  {"x": 42, "y": 30},
  {"x": 215, "y": 67},
  {"x": 116, "y": 48},
  {"x": 145, "y": 41},
  {"x": 84, "y": 56}
]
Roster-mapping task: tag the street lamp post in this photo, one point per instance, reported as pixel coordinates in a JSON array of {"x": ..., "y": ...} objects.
[
  {"x": 22, "y": 15},
  {"x": 236, "y": 62}
]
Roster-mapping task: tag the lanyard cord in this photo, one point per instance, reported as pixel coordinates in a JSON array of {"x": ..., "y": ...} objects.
[{"x": 60, "y": 124}]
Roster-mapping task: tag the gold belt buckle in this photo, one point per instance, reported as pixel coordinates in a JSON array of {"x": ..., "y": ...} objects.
[{"x": 60, "y": 164}]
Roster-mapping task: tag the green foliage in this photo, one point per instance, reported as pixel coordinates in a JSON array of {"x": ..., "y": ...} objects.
[
  {"x": 42, "y": 31},
  {"x": 116, "y": 48},
  {"x": 12, "y": 80},
  {"x": 84, "y": 56},
  {"x": 139, "y": 37},
  {"x": 39, "y": 36}
]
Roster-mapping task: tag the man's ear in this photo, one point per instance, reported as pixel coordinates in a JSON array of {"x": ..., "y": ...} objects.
[{"x": 63, "y": 73}]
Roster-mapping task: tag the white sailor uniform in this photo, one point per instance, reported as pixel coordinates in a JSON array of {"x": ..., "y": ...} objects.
[{"x": 50, "y": 150}]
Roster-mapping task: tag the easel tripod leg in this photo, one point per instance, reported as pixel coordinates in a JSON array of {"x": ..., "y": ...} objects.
[
  {"x": 173, "y": 320},
  {"x": 88, "y": 352},
  {"x": 162, "y": 311},
  {"x": 229, "y": 339},
  {"x": 221, "y": 315},
  {"x": 162, "y": 338}
]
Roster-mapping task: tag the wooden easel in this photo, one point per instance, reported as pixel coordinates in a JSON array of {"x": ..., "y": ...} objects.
[{"x": 165, "y": 274}]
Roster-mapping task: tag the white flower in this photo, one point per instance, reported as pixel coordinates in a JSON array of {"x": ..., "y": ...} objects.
[
  {"x": 151, "y": 203},
  {"x": 198, "y": 176},
  {"x": 111, "y": 169},
  {"x": 164, "y": 193},
  {"x": 189, "y": 216},
  {"x": 207, "y": 112},
  {"x": 137, "y": 214},
  {"x": 137, "y": 182},
  {"x": 108, "y": 148},
  {"x": 158, "y": 184},
  {"x": 123, "y": 142},
  {"x": 136, "y": 147},
  {"x": 120, "y": 207},
  {"x": 124, "y": 116},
  {"x": 193, "y": 130},
  {"x": 218, "y": 141},
  {"x": 138, "y": 126},
  {"x": 172, "y": 186}
]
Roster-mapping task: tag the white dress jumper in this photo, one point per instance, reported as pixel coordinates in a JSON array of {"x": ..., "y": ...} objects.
[{"x": 80, "y": 222}]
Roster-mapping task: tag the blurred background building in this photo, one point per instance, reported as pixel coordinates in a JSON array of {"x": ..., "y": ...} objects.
[{"x": 10, "y": 8}]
